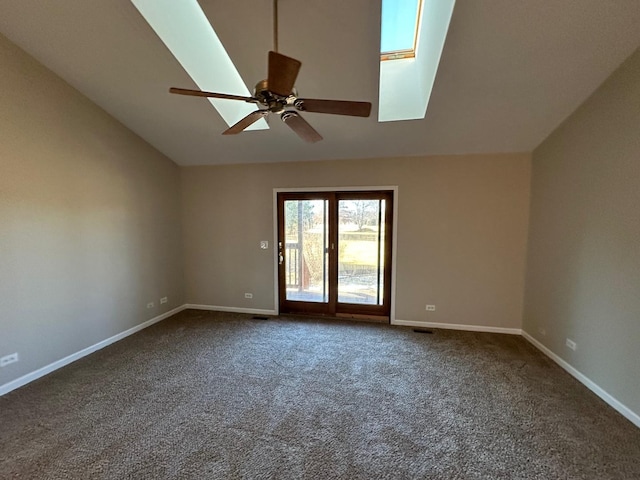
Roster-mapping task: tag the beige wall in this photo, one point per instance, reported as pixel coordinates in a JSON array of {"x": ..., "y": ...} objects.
[
  {"x": 89, "y": 220},
  {"x": 462, "y": 227},
  {"x": 583, "y": 279}
]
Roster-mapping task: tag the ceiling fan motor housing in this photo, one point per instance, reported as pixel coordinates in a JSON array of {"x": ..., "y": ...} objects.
[
  {"x": 276, "y": 103},
  {"x": 261, "y": 90}
]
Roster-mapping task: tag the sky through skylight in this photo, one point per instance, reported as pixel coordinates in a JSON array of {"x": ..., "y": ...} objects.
[{"x": 399, "y": 20}]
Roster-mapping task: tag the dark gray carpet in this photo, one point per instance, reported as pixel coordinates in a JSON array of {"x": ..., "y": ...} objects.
[{"x": 215, "y": 395}]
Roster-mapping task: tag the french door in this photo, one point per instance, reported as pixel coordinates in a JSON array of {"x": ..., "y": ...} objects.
[{"x": 334, "y": 253}]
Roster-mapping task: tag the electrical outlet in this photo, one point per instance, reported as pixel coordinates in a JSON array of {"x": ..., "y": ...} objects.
[
  {"x": 248, "y": 295},
  {"x": 150, "y": 305},
  {"x": 571, "y": 344},
  {"x": 431, "y": 308},
  {"x": 163, "y": 300},
  {"x": 8, "y": 359}
]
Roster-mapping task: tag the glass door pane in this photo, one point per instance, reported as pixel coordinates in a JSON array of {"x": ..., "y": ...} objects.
[
  {"x": 306, "y": 250},
  {"x": 361, "y": 237}
]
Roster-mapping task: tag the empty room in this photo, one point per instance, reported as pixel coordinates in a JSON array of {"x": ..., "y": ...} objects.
[{"x": 320, "y": 239}]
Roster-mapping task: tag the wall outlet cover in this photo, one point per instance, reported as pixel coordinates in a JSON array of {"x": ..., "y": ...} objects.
[{"x": 8, "y": 359}]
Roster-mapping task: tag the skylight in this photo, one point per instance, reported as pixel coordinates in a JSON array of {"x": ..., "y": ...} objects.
[
  {"x": 185, "y": 30},
  {"x": 407, "y": 81},
  {"x": 399, "y": 33}
]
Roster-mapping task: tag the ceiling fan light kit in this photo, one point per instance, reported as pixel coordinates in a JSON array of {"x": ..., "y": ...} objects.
[{"x": 276, "y": 94}]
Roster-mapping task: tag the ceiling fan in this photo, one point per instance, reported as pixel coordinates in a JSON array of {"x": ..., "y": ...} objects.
[{"x": 277, "y": 95}]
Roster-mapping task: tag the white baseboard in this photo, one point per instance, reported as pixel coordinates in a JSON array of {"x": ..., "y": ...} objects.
[
  {"x": 586, "y": 381},
  {"x": 454, "y": 326},
  {"x": 41, "y": 372},
  {"x": 216, "y": 308}
]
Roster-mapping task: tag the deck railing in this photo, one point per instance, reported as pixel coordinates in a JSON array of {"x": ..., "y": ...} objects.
[{"x": 293, "y": 263}]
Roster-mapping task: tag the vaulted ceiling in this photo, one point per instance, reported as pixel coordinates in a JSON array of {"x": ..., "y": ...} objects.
[{"x": 510, "y": 73}]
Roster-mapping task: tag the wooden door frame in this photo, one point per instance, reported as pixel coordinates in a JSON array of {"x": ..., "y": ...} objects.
[
  {"x": 394, "y": 243},
  {"x": 319, "y": 308}
]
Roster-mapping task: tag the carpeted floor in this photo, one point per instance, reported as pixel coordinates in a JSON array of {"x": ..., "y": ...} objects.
[{"x": 214, "y": 395}]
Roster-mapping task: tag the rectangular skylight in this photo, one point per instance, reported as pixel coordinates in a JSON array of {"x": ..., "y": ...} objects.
[
  {"x": 187, "y": 33},
  {"x": 399, "y": 32},
  {"x": 407, "y": 81}
]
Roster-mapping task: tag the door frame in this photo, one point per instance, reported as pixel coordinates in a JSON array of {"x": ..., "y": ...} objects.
[{"x": 394, "y": 243}]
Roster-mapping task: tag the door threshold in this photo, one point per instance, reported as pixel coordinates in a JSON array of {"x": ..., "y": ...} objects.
[
  {"x": 342, "y": 316},
  {"x": 366, "y": 318}
]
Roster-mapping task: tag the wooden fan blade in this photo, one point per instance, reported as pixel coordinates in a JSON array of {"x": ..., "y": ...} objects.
[
  {"x": 283, "y": 72},
  {"x": 299, "y": 125},
  {"x": 250, "y": 119},
  {"x": 336, "y": 107},
  {"x": 199, "y": 93}
]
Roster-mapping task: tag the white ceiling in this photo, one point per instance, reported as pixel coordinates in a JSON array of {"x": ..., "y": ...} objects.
[{"x": 511, "y": 71}]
